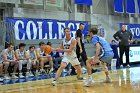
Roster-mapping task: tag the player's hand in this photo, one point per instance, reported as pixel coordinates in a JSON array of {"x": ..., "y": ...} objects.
[
  {"x": 53, "y": 49},
  {"x": 15, "y": 61},
  {"x": 130, "y": 41},
  {"x": 59, "y": 49},
  {"x": 95, "y": 60},
  {"x": 48, "y": 56}
]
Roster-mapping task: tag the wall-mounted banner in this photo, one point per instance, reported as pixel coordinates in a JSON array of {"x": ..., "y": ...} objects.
[
  {"x": 28, "y": 29},
  {"x": 134, "y": 28}
]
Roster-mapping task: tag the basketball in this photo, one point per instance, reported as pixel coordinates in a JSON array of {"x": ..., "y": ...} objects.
[{"x": 47, "y": 49}]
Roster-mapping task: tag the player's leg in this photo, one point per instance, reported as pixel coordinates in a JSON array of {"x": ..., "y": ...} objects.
[
  {"x": 104, "y": 61},
  {"x": 6, "y": 74},
  {"x": 21, "y": 62},
  {"x": 64, "y": 63},
  {"x": 76, "y": 64},
  {"x": 1, "y": 71},
  {"x": 89, "y": 80},
  {"x": 50, "y": 60},
  {"x": 15, "y": 66},
  {"x": 42, "y": 61},
  {"x": 29, "y": 64},
  {"x": 105, "y": 68}
]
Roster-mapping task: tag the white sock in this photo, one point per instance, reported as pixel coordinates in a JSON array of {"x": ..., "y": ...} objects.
[{"x": 90, "y": 76}]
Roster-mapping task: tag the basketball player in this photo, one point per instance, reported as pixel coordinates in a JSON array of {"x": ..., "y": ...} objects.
[
  {"x": 8, "y": 59},
  {"x": 43, "y": 58},
  {"x": 22, "y": 57},
  {"x": 68, "y": 46},
  {"x": 31, "y": 52},
  {"x": 103, "y": 53}
]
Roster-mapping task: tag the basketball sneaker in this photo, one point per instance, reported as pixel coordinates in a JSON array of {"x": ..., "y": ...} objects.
[
  {"x": 42, "y": 71},
  {"x": 88, "y": 82},
  {"x": 81, "y": 78},
  {"x": 14, "y": 76},
  {"x": 1, "y": 79},
  {"x": 37, "y": 73},
  {"x": 121, "y": 66},
  {"x": 7, "y": 77},
  {"x": 20, "y": 75},
  {"x": 54, "y": 82},
  {"x": 108, "y": 80},
  {"x": 31, "y": 74},
  {"x": 50, "y": 70},
  {"x": 128, "y": 66}
]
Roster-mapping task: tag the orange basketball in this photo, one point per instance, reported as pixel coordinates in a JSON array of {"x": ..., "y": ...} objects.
[{"x": 47, "y": 49}]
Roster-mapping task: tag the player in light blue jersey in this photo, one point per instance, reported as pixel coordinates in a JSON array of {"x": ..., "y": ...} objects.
[{"x": 104, "y": 54}]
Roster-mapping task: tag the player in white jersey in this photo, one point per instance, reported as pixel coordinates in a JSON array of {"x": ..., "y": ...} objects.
[
  {"x": 31, "y": 52},
  {"x": 68, "y": 46},
  {"x": 8, "y": 59},
  {"x": 23, "y": 58}
]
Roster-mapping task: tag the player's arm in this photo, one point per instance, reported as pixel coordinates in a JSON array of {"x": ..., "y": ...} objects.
[
  {"x": 35, "y": 56},
  {"x": 97, "y": 50},
  {"x": 46, "y": 55},
  {"x": 60, "y": 48},
  {"x": 72, "y": 46},
  {"x": 17, "y": 55},
  {"x": 26, "y": 55},
  {"x": 5, "y": 57},
  {"x": 14, "y": 55},
  {"x": 38, "y": 54}
]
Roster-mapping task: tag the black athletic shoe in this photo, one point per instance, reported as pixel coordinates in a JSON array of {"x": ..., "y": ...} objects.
[
  {"x": 94, "y": 70},
  {"x": 81, "y": 78}
]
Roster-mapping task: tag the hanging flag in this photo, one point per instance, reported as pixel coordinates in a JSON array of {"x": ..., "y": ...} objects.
[
  {"x": 139, "y": 5},
  {"x": 130, "y": 6},
  {"x": 119, "y": 6},
  {"x": 83, "y": 2}
]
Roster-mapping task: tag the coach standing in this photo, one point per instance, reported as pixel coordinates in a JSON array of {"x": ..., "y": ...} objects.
[{"x": 125, "y": 38}]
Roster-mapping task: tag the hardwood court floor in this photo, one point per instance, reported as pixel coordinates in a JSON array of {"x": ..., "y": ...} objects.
[{"x": 123, "y": 81}]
